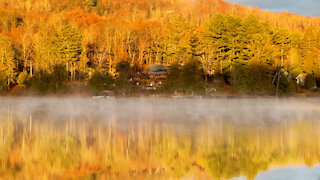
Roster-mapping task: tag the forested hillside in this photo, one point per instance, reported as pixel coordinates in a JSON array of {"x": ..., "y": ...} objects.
[{"x": 87, "y": 36}]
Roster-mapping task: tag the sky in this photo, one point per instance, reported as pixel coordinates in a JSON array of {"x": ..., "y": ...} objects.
[
  {"x": 292, "y": 173},
  {"x": 301, "y": 7}
]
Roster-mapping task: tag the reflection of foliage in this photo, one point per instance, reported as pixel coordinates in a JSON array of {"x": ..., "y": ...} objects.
[
  {"x": 223, "y": 164},
  {"x": 252, "y": 163},
  {"x": 151, "y": 152},
  {"x": 178, "y": 160}
]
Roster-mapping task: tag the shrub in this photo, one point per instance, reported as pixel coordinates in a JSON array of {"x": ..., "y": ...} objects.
[
  {"x": 292, "y": 87},
  {"x": 3, "y": 83},
  {"x": 100, "y": 81},
  {"x": 255, "y": 78},
  {"x": 286, "y": 84},
  {"x": 59, "y": 78},
  {"x": 192, "y": 76},
  {"x": 123, "y": 77},
  {"x": 227, "y": 77},
  {"x": 41, "y": 82},
  {"x": 317, "y": 78},
  {"x": 310, "y": 82},
  {"x": 174, "y": 77},
  {"x": 318, "y": 82}
]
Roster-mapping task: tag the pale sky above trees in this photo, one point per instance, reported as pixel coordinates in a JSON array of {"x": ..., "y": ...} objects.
[{"x": 302, "y": 7}]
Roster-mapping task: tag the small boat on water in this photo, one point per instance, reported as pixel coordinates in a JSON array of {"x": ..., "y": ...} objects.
[{"x": 107, "y": 94}]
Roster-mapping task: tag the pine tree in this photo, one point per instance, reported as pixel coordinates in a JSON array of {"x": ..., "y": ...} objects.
[
  {"x": 256, "y": 41},
  {"x": 296, "y": 62},
  {"x": 216, "y": 36},
  {"x": 281, "y": 41},
  {"x": 176, "y": 43},
  {"x": 309, "y": 51},
  {"x": 67, "y": 47}
]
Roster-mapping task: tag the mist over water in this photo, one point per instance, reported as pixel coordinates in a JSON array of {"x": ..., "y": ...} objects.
[
  {"x": 165, "y": 110},
  {"x": 210, "y": 138}
]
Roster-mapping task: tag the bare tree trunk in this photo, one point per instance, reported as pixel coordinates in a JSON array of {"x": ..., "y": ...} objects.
[
  {"x": 278, "y": 83},
  {"x": 31, "y": 71},
  {"x": 8, "y": 83}
]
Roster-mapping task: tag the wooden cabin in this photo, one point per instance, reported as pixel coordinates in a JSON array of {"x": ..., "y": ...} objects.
[
  {"x": 155, "y": 76},
  {"x": 301, "y": 78}
]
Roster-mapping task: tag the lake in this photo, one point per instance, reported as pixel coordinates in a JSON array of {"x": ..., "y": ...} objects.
[{"x": 160, "y": 138}]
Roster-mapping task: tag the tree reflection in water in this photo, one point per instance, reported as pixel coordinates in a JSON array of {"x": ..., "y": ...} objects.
[
  {"x": 37, "y": 145},
  {"x": 245, "y": 151}
]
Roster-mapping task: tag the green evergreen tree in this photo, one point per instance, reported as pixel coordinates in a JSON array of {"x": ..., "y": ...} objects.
[
  {"x": 309, "y": 51},
  {"x": 256, "y": 41},
  {"x": 296, "y": 62},
  {"x": 216, "y": 35},
  {"x": 281, "y": 41},
  {"x": 67, "y": 47},
  {"x": 176, "y": 44}
]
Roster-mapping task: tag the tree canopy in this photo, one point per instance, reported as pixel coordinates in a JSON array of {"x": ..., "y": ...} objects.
[{"x": 93, "y": 35}]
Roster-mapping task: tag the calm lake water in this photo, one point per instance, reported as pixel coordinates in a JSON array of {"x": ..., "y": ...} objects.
[{"x": 162, "y": 138}]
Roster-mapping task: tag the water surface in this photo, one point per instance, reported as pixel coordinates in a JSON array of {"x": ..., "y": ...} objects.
[{"x": 160, "y": 138}]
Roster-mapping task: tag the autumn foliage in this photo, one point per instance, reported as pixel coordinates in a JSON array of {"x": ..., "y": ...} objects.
[{"x": 96, "y": 34}]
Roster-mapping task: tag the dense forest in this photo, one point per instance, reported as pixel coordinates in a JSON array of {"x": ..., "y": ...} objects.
[{"x": 74, "y": 40}]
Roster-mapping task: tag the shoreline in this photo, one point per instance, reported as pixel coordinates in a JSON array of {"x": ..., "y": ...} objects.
[{"x": 165, "y": 95}]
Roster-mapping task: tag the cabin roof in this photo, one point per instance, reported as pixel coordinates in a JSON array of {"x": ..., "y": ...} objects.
[
  {"x": 158, "y": 69},
  {"x": 302, "y": 75}
]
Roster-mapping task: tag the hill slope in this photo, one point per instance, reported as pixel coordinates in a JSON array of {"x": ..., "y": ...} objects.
[{"x": 92, "y": 35}]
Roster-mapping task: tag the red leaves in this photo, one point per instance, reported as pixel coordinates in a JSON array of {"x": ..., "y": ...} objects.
[
  {"x": 83, "y": 18},
  {"x": 139, "y": 26},
  {"x": 142, "y": 3},
  {"x": 16, "y": 33},
  {"x": 223, "y": 7}
]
